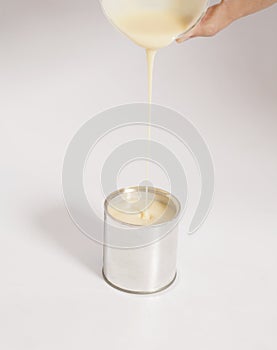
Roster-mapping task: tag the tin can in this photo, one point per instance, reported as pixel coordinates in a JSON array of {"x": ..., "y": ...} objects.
[{"x": 140, "y": 259}]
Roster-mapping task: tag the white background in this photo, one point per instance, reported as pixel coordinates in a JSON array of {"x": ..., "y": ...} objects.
[{"x": 61, "y": 62}]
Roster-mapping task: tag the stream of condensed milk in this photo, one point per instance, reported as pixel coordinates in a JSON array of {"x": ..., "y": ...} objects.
[{"x": 153, "y": 30}]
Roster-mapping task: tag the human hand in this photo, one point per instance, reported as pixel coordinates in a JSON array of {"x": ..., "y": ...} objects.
[{"x": 221, "y": 15}]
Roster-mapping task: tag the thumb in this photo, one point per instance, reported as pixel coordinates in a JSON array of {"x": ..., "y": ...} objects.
[{"x": 215, "y": 20}]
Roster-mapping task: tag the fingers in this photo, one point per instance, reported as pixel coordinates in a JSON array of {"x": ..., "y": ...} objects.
[{"x": 216, "y": 18}]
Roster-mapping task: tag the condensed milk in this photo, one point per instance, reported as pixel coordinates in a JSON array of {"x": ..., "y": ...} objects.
[
  {"x": 153, "y": 24},
  {"x": 141, "y": 232}
]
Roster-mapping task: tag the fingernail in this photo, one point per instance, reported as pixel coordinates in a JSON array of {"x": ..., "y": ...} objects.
[{"x": 185, "y": 38}]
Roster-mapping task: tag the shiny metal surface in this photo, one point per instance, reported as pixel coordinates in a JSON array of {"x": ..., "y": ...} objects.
[
  {"x": 145, "y": 260},
  {"x": 138, "y": 292}
]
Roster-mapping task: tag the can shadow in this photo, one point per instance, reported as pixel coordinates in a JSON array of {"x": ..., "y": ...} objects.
[{"x": 55, "y": 224}]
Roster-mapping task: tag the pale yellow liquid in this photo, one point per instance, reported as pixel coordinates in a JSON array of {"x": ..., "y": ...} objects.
[
  {"x": 156, "y": 212},
  {"x": 152, "y": 30}
]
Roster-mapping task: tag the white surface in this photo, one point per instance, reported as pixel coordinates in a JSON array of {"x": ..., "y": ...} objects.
[{"x": 61, "y": 63}]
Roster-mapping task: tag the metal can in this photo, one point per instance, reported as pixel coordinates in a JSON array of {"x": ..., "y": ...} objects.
[{"x": 140, "y": 259}]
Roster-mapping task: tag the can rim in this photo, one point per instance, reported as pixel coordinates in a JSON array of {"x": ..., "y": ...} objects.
[{"x": 143, "y": 189}]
